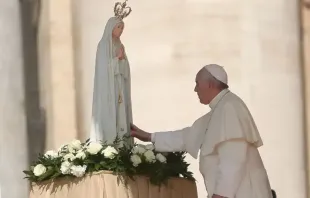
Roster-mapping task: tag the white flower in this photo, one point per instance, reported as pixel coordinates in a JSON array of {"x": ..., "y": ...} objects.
[
  {"x": 134, "y": 150},
  {"x": 71, "y": 150},
  {"x": 65, "y": 167},
  {"x": 78, "y": 171},
  {"x": 138, "y": 149},
  {"x": 39, "y": 170},
  {"x": 81, "y": 155},
  {"x": 149, "y": 147},
  {"x": 74, "y": 146},
  {"x": 62, "y": 148},
  {"x": 93, "y": 148},
  {"x": 161, "y": 158},
  {"x": 109, "y": 152},
  {"x": 136, "y": 160},
  {"x": 51, "y": 154},
  {"x": 69, "y": 156},
  {"x": 149, "y": 156}
]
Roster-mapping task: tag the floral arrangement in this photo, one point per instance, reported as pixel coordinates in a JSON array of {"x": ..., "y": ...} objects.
[{"x": 77, "y": 159}]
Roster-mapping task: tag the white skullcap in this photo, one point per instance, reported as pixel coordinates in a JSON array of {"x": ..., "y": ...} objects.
[{"x": 217, "y": 72}]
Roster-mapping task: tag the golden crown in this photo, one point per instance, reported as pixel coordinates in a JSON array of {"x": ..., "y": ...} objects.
[{"x": 121, "y": 10}]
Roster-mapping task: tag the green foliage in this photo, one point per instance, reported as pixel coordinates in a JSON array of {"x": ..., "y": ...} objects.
[{"x": 120, "y": 162}]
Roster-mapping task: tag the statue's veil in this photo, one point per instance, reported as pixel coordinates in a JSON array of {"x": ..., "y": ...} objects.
[{"x": 103, "y": 121}]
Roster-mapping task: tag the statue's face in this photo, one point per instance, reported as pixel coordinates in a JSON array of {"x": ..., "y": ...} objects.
[{"x": 118, "y": 30}]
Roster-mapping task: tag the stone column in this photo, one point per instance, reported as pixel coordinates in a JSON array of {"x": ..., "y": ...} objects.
[
  {"x": 305, "y": 46},
  {"x": 57, "y": 72},
  {"x": 13, "y": 138}
]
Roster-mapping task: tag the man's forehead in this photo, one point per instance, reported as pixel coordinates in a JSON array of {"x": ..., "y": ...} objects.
[
  {"x": 196, "y": 78},
  {"x": 198, "y": 75}
]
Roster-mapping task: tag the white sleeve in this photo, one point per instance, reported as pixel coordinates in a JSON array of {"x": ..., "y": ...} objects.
[
  {"x": 170, "y": 141},
  {"x": 232, "y": 159}
]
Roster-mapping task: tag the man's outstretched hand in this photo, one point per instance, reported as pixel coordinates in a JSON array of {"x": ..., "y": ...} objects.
[{"x": 140, "y": 134}]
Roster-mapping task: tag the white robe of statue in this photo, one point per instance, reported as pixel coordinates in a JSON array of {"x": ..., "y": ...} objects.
[
  {"x": 111, "y": 108},
  {"x": 228, "y": 140}
]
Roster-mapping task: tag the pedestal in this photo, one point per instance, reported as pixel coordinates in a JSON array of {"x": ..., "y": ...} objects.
[{"x": 106, "y": 185}]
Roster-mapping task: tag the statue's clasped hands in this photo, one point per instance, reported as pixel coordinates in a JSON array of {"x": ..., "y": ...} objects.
[{"x": 121, "y": 54}]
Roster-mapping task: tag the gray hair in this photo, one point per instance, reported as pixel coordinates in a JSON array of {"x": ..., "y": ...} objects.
[{"x": 207, "y": 76}]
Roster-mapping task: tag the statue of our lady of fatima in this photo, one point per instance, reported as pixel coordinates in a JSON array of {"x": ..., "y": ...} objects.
[{"x": 111, "y": 107}]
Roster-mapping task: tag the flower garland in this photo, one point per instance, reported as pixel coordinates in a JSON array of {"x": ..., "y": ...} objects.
[{"x": 76, "y": 159}]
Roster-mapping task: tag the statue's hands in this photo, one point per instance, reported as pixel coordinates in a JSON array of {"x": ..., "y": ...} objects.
[
  {"x": 121, "y": 53},
  {"x": 140, "y": 134}
]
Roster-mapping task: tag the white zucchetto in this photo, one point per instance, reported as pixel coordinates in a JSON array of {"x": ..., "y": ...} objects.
[{"x": 217, "y": 72}]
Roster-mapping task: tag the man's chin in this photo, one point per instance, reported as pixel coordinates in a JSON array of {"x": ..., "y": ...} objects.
[{"x": 202, "y": 102}]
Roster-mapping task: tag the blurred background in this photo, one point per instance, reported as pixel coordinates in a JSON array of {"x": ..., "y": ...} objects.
[{"x": 47, "y": 60}]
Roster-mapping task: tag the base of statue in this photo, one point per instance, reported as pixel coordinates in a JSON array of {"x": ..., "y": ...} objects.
[{"x": 106, "y": 185}]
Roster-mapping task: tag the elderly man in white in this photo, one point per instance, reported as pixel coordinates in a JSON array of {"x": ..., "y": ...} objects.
[{"x": 227, "y": 138}]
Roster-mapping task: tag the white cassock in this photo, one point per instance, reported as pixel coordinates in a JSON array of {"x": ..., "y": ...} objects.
[{"x": 228, "y": 140}]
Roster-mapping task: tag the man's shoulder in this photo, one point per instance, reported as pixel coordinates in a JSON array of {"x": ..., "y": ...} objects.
[
  {"x": 232, "y": 99},
  {"x": 233, "y": 102},
  {"x": 233, "y": 96},
  {"x": 234, "y": 107}
]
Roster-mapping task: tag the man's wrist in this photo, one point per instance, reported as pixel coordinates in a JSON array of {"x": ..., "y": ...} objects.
[
  {"x": 152, "y": 139},
  {"x": 145, "y": 136}
]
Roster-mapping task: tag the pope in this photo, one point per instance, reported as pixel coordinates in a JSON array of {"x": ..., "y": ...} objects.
[{"x": 227, "y": 138}]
